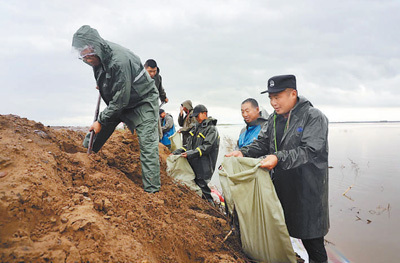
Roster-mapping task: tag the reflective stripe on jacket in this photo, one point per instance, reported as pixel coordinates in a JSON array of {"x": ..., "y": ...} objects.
[{"x": 202, "y": 148}]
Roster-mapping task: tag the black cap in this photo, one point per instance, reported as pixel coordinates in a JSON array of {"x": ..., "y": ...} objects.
[
  {"x": 161, "y": 111},
  {"x": 199, "y": 108},
  {"x": 280, "y": 83}
]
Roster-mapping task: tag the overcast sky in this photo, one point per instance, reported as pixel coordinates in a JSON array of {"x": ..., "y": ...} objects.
[{"x": 345, "y": 54}]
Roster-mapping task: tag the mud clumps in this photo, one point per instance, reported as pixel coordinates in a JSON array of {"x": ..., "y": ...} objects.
[{"x": 59, "y": 204}]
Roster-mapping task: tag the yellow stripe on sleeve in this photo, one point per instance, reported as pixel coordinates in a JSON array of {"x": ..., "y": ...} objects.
[{"x": 199, "y": 151}]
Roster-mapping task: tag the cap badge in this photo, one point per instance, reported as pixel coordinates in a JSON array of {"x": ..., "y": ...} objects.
[{"x": 271, "y": 84}]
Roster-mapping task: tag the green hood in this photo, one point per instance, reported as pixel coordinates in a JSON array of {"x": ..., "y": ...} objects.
[{"x": 87, "y": 36}]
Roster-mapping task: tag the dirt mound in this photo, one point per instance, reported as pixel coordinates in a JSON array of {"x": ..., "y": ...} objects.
[{"x": 59, "y": 204}]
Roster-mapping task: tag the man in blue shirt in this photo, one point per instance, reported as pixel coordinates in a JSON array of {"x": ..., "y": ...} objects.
[{"x": 254, "y": 120}]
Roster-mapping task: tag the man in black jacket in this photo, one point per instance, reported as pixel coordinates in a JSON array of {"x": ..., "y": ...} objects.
[
  {"x": 295, "y": 141},
  {"x": 202, "y": 148},
  {"x": 154, "y": 72}
]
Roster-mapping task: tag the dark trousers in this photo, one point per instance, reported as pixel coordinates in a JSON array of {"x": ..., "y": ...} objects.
[
  {"x": 315, "y": 249},
  {"x": 203, "y": 184}
]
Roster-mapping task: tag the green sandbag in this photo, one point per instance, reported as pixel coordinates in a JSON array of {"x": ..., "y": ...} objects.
[
  {"x": 179, "y": 168},
  {"x": 176, "y": 141},
  {"x": 249, "y": 190}
]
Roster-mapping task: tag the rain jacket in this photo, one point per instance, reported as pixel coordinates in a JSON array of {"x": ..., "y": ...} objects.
[
  {"x": 185, "y": 121},
  {"x": 249, "y": 133},
  {"x": 202, "y": 148},
  {"x": 168, "y": 129},
  {"x": 158, "y": 81},
  {"x": 122, "y": 80},
  {"x": 301, "y": 175}
]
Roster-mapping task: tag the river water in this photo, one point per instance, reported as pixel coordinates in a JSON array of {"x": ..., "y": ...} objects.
[{"x": 365, "y": 166}]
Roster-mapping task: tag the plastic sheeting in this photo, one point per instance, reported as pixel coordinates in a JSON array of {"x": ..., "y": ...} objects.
[
  {"x": 176, "y": 141},
  {"x": 179, "y": 168},
  {"x": 249, "y": 190}
]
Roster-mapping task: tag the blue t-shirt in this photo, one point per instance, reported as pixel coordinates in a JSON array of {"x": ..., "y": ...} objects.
[{"x": 249, "y": 135}]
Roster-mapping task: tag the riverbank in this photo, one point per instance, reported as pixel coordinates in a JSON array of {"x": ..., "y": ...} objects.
[{"x": 59, "y": 204}]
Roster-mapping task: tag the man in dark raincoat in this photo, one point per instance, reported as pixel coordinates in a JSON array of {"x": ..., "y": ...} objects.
[
  {"x": 130, "y": 95},
  {"x": 202, "y": 148},
  {"x": 154, "y": 71},
  {"x": 295, "y": 142}
]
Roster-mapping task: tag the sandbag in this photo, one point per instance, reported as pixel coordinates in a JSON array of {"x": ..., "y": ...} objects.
[
  {"x": 249, "y": 190},
  {"x": 176, "y": 141},
  {"x": 179, "y": 168}
]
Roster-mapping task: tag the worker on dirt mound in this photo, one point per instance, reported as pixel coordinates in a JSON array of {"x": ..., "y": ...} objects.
[
  {"x": 254, "y": 119},
  {"x": 167, "y": 127},
  {"x": 131, "y": 97},
  {"x": 295, "y": 142},
  {"x": 201, "y": 149},
  {"x": 186, "y": 120},
  {"x": 154, "y": 72}
]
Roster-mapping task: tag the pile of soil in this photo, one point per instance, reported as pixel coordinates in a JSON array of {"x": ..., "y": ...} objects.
[{"x": 57, "y": 203}]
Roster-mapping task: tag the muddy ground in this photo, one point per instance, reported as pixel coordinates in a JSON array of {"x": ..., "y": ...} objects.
[{"x": 58, "y": 204}]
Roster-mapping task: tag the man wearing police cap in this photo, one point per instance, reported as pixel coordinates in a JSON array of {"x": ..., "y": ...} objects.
[{"x": 295, "y": 142}]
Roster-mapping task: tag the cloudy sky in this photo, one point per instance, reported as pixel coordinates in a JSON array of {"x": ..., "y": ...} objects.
[{"x": 345, "y": 54}]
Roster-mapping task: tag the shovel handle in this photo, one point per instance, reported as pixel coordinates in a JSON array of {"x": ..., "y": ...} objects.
[{"x": 96, "y": 115}]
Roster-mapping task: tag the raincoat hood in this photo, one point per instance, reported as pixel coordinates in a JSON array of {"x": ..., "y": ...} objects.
[
  {"x": 89, "y": 37},
  {"x": 188, "y": 105},
  {"x": 209, "y": 121},
  {"x": 301, "y": 101}
]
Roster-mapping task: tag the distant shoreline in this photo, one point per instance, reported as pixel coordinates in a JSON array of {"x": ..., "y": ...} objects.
[
  {"x": 382, "y": 121},
  {"x": 349, "y": 122}
]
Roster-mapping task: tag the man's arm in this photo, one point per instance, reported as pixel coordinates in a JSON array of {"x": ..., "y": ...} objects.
[
  {"x": 169, "y": 122},
  {"x": 258, "y": 147},
  {"x": 122, "y": 92},
  {"x": 181, "y": 119},
  {"x": 161, "y": 91}
]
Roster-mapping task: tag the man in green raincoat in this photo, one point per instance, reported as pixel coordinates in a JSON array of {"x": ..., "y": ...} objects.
[{"x": 130, "y": 95}]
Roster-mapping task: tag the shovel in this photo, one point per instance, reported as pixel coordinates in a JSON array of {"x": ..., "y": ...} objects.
[{"x": 96, "y": 115}]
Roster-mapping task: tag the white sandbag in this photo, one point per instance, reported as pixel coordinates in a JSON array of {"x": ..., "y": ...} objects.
[
  {"x": 179, "y": 168},
  {"x": 176, "y": 141},
  {"x": 249, "y": 189}
]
